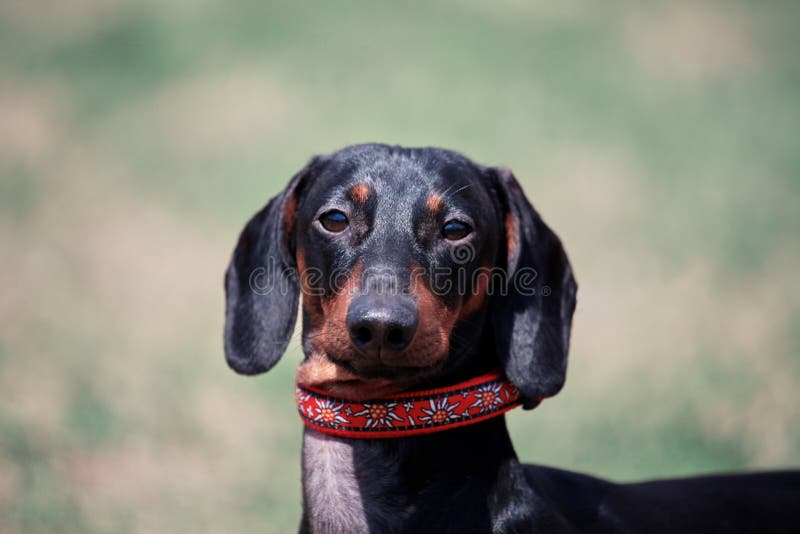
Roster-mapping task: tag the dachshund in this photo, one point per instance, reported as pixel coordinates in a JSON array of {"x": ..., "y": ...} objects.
[{"x": 435, "y": 298}]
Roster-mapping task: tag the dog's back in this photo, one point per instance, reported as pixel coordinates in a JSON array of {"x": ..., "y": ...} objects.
[{"x": 758, "y": 502}]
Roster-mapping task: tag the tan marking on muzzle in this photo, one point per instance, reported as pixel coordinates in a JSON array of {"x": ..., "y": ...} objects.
[
  {"x": 330, "y": 335},
  {"x": 476, "y": 299},
  {"x": 431, "y": 342},
  {"x": 335, "y": 336}
]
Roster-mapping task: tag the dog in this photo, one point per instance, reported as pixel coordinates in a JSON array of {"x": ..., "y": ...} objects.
[{"x": 434, "y": 299}]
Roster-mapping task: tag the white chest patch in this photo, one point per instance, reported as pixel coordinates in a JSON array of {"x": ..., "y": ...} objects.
[{"x": 330, "y": 488}]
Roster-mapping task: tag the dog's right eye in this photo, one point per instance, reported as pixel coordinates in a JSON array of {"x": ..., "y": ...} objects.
[{"x": 334, "y": 221}]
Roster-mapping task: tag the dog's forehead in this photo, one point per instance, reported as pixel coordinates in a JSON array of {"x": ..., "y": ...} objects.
[{"x": 402, "y": 179}]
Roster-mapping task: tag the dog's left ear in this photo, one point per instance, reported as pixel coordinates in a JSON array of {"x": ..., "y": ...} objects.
[
  {"x": 532, "y": 321},
  {"x": 261, "y": 284}
]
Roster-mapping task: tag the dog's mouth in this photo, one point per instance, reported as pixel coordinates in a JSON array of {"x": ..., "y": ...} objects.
[
  {"x": 379, "y": 371},
  {"x": 358, "y": 380}
]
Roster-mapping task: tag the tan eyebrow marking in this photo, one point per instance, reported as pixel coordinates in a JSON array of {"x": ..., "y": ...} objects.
[
  {"x": 435, "y": 203},
  {"x": 359, "y": 193}
]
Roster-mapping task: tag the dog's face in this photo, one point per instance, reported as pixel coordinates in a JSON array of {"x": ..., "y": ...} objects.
[
  {"x": 387, "y": 252},
  {"x": 408, "y": 262}
]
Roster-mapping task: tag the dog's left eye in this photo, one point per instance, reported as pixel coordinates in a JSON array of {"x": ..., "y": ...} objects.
[
  {"x": 334, "y": 221},
  {"x": 455, "y": 230}
]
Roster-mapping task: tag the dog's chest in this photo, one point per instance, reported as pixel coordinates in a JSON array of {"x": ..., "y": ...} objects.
[{"x": 332, "y": 496}]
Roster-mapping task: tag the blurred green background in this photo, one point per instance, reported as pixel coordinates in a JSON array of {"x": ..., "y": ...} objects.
[{"x": 660, "y": 139}]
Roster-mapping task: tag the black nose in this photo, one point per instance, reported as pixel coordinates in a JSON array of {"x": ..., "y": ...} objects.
[{"x": 380, "y": 325}]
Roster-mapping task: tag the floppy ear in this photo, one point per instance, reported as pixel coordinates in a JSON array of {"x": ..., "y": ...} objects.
[
  {"x": 261, "y": 285},
  {"x": 532, "y": 321}
]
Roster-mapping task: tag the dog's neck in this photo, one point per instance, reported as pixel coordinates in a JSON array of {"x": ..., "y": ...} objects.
[
  {"x": 379, "y": 485},
  {"x": 394, "y": 485}
]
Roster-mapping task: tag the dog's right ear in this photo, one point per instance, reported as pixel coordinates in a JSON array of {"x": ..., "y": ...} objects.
[{"x": 261, "y": 284}]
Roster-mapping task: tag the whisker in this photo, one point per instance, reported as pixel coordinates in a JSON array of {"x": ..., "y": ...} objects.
[{"x": 457, "y": 191}]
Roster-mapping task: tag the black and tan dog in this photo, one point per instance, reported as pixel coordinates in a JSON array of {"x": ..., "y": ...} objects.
[{"x": 383, "y": 243}]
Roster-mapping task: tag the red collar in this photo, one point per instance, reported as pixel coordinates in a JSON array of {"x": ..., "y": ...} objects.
[{"x": 409, "y": 414}]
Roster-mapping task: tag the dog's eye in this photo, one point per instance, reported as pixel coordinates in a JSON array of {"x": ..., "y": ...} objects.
[
  {"x": 334, "y": 221},
  {"x": 455, "y": 230}
]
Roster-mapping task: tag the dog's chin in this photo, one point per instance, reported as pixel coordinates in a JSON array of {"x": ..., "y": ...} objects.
[
  {"x": 379, "y": 379},
  {"x": 357, "y": 379},
  {"x": 382, "y": 371}
]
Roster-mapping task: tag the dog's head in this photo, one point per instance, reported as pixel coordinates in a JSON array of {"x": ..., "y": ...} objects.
[{"x": 414, "y": 264}]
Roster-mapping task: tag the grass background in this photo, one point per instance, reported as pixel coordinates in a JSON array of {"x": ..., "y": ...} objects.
[{"x": 660, "y": 139}]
